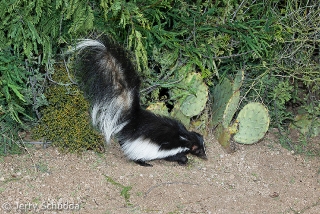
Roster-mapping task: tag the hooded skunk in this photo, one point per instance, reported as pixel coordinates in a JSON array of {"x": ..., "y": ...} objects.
[{"x": 112, "y": 84}]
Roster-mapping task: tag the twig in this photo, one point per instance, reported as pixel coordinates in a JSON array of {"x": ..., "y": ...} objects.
[
  {"x": 35, "y": 168},
  {"x": 149, "y": 89},
  {"x": 153, "y": 87},
  {"x": 236, "y": 12},
  {"x": 72, "y": 82},
  {"x": 317, "y": 203},
  {"x": 67, "y": 69},
  {"x": 44, "y": 144},
  {"x": 252, "y": 85},
  {"x": 249, "y": 7},
  {"x": 25, "y": 148},
  {"x": 35, "y": 142},
  {"x": 227, "y": 57}
]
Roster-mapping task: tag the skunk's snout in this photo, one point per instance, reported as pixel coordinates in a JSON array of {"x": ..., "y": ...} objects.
[
  {"x": 199, "y": 152},
  {"x": 204, "y": 157},
  {"x": 199, "y": 149},
  {"x": 202, "y": 154}
]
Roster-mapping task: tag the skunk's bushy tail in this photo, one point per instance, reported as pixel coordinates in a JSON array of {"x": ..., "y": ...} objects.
[{"x": 110, "y": 82}]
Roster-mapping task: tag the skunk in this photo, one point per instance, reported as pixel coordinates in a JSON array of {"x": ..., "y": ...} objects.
[{"x": 111, "y": 83}]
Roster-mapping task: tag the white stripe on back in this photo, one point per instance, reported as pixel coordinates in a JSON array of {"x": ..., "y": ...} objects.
[{"x": 144, "y": 150}]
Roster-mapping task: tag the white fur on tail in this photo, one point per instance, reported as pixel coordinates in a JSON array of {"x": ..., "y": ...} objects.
[
  {"x": 84, "y": 43},
  {"x": 107, "y": 115}
]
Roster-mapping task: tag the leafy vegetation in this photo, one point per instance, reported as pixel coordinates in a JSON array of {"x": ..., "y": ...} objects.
[
  {"x": 275, "y": 42},
  {"x": 13, "y": 102},
  {"x": 66, "y": 120},
  {"x": 31, "y": 34}
]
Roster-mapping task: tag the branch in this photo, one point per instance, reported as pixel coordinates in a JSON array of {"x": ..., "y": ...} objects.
[
  {"x": 227, "y": 57},
  {"x": 153, "y": 87}
]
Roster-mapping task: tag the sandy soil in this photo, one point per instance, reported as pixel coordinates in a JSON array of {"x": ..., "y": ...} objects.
[{"x": 262, "y": 178}]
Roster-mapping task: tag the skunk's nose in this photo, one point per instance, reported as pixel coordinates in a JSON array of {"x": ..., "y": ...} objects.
[{"x": 203, "y": 156}]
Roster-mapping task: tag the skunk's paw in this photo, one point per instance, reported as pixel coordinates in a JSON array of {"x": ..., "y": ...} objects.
[
  {"x": 181, "y": 158},
  {"x": 143, "y": 163}
]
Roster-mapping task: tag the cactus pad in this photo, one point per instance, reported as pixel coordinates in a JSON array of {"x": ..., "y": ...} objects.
[
  {"x": 230, "y": 109},
  {"x": 221, "y": 96},
  {"x": 176, "y": 113},
  {"x": 238, "y": 80},
  {"x": 195, "y": 102},
  {"x": 159, "y": 108},
  {"x": 224, "y": 135},
  {"x": 253, "y": 123}
]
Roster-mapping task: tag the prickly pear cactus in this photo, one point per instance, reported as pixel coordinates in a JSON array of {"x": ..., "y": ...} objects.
[
  {"x": 224, "y": 134},
  {"x": 238, "y": 80},
  {"x": 159, "y": 108},
  {"x": 221, "y": 97},
  {"x": 195, "y": 102},
  {"x": 191, "y": 97},
  {"x": 306, "y": 125},
  {"x": 253, "y": 119},
  {"x": 177, "y": 113},
  {"x": 253, "y": 123},
  {"x": 225, "y": 104},
  {"x": 230, "y": 109}
]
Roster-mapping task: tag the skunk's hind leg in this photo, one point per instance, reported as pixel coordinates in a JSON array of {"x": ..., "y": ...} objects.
[
  {"x": 143, "y": 163},
  {"x": 181, "y": 158}
]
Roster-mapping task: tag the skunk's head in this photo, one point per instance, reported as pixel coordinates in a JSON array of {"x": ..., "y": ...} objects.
[{"x": 195, "y": 143}]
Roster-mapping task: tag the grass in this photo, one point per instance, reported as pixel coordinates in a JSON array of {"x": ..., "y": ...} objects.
[
  {"x": 42, "y": 167},
  {"x": 124, "y": 189}
]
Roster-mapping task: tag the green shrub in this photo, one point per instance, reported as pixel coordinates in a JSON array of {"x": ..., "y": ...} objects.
[
  {"x": 66, "y": 121},
  {"x": 13, "y": 105},
  {"x": 37, "y": 27},
  {"x": 287, "y": 78},
  {"x": 275, "y": 42},
  {"x": 31, "y": 34}
]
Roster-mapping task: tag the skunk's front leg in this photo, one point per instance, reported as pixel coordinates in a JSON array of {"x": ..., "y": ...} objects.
[
  {"x": 143, "y": 163},
  {"x": 181, "y": 158}
]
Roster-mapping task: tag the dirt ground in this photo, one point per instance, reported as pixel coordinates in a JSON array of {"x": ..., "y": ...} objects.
[{"x": 262, "y": 178}]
